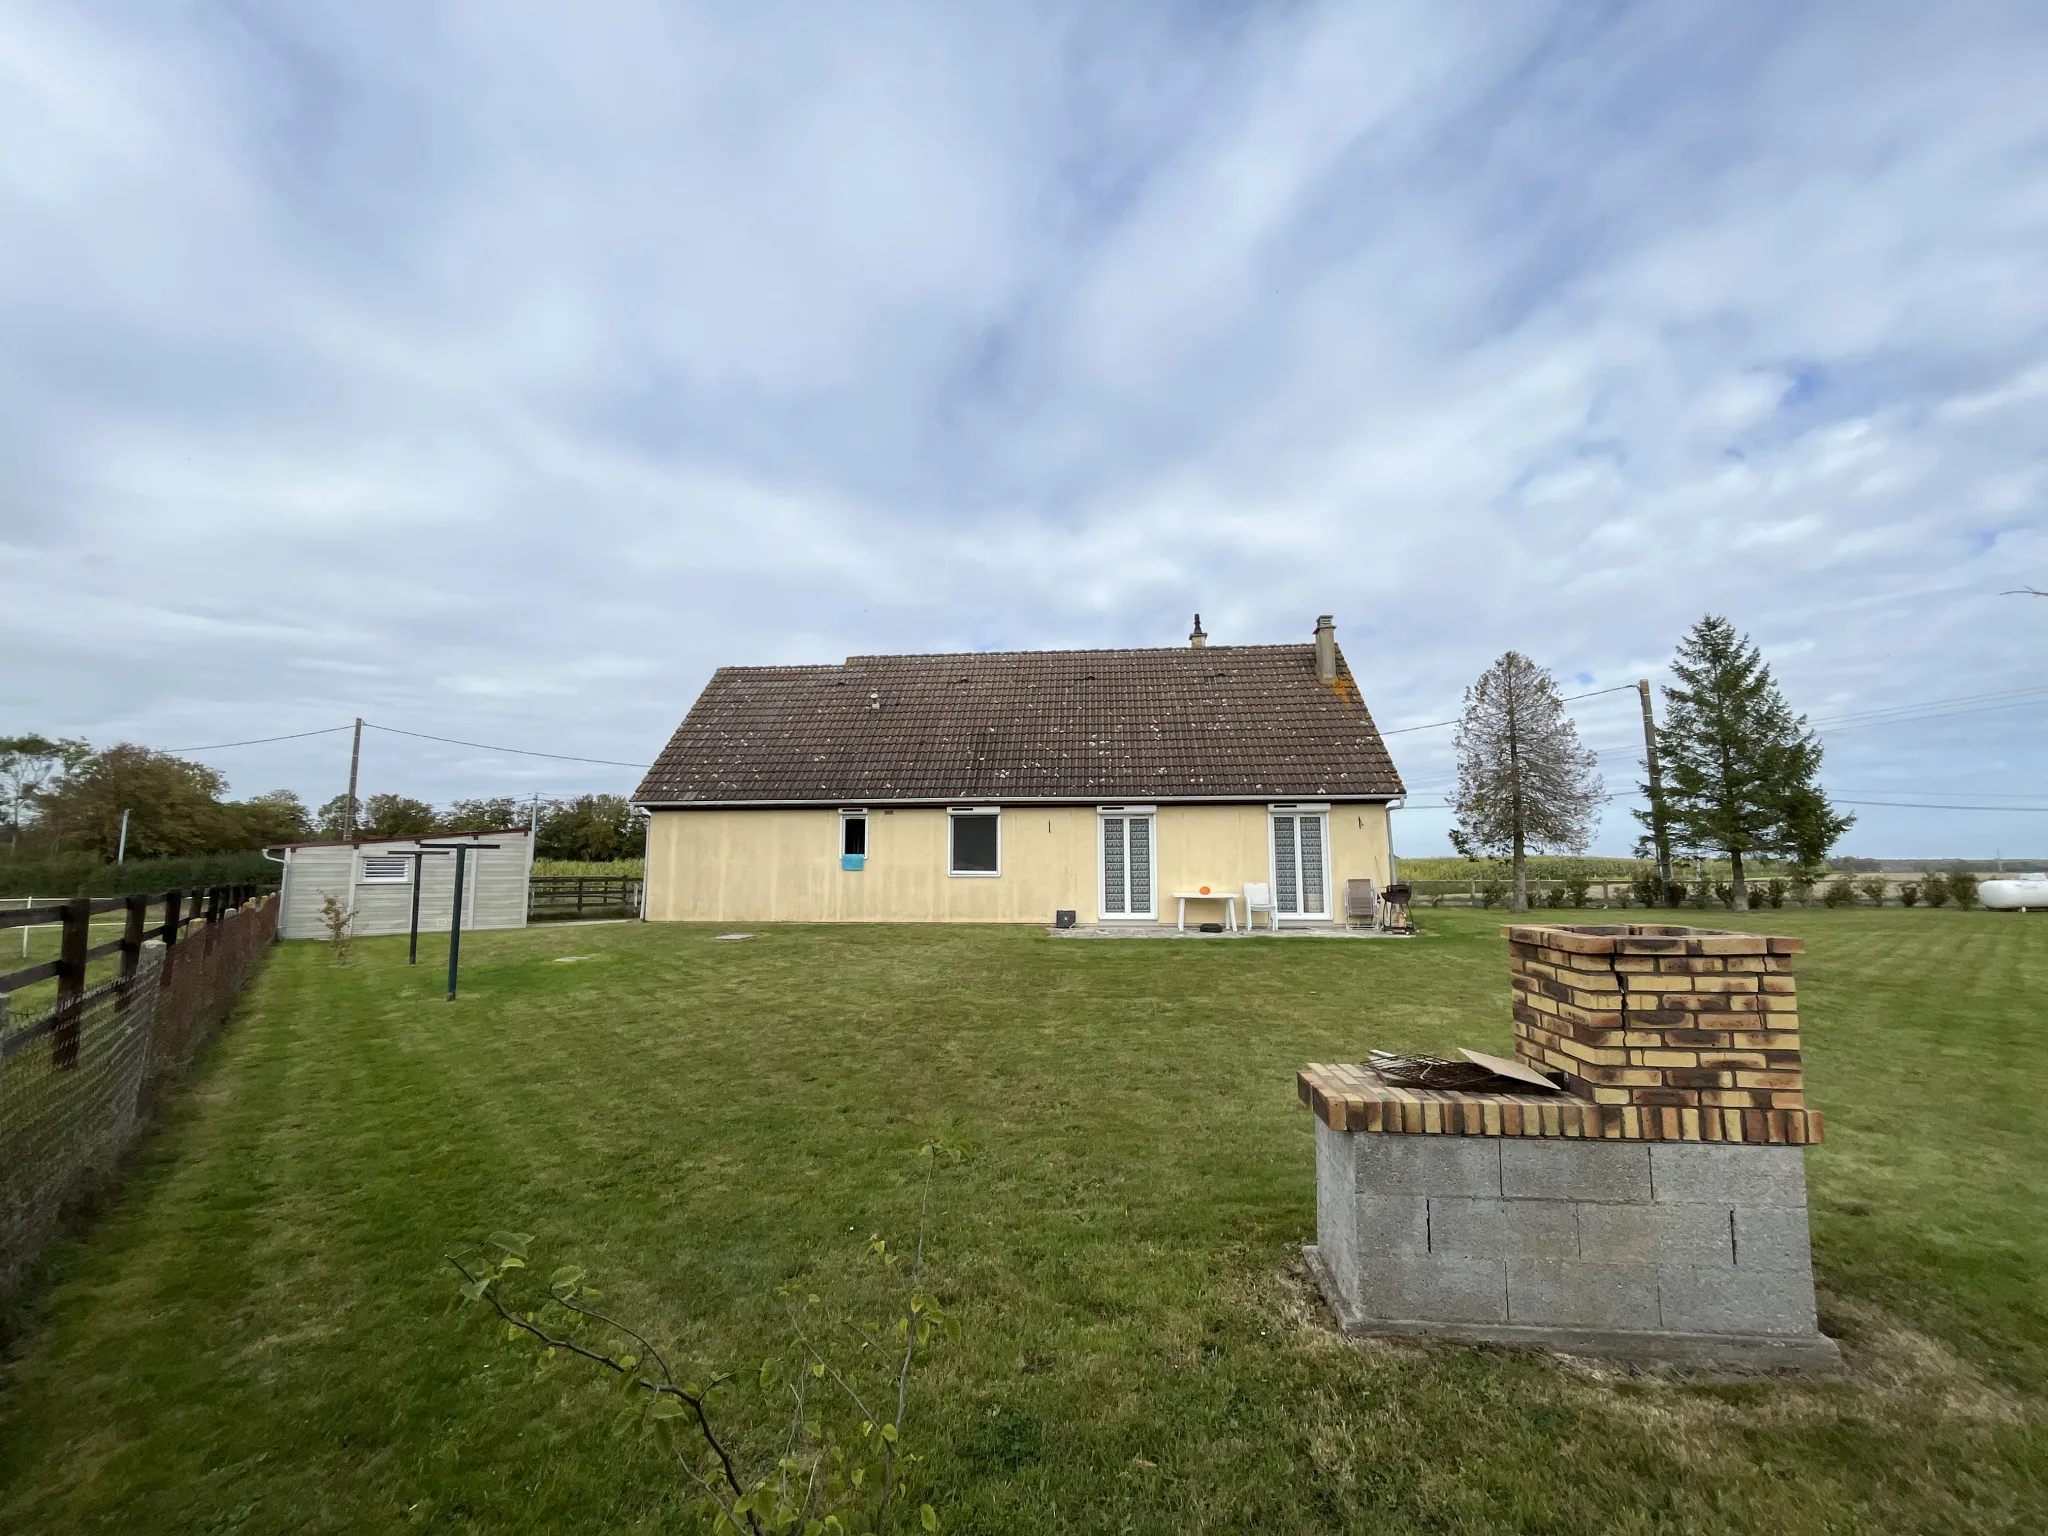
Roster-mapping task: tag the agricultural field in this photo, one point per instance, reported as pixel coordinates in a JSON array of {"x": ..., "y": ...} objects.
[
  {"x": 605, "y": 869},
  {"x": 262, "y": 1334}
]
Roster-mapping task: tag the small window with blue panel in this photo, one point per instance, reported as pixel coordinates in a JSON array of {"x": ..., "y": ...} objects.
[{"x": 853, "y": 840}]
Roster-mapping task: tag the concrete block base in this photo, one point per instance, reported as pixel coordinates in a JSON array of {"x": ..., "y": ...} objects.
[
  {"x": 1815, "y": 1354},
  {"x": 1676, "y": 1251}
]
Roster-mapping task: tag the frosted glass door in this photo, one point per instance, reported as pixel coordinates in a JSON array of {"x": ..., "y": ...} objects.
[
  {"x": 1127, "y": 866},
  {"x": 1300, "y": 879}
]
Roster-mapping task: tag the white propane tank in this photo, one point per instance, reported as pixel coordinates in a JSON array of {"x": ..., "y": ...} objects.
[{"x": 2018, "y": 894}]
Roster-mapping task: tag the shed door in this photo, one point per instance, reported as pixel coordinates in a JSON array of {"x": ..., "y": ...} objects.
[
  {"x": 1301, "y": 886},
  {"x": 1127, "y": 866}
]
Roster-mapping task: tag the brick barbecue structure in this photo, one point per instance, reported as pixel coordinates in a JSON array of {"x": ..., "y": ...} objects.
[
  {"x": 1655, "y": 1207},
  {"x": 1695, "y": 1031}
]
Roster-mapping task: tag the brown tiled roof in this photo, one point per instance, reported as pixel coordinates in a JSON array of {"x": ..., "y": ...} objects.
[{"x": 1221, "y": 722}]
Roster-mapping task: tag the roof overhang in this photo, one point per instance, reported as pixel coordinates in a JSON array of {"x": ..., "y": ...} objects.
[
  {"x": 1150, "y": 797},
  {"x": 409, "y": 837}
]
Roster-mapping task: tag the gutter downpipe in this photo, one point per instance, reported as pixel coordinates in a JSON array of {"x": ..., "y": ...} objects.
[
  {"x": 646, "y": 862},
  {"x": 1398, "y": 803}
]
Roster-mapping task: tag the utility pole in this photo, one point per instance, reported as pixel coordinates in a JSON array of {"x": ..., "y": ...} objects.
[
  {"x": 1659, "y": 836},
  {"x": 355, "y": 757}
]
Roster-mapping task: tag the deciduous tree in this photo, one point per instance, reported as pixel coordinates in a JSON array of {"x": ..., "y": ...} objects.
[
  {"x": 30, "y": 765},
  {"x": 267, "y": 820},
  {"x": 1741, "y": 771},
  {"x": 395, "y": 816},
  {"x": 493, "y": 815},
  {"x": 334, "y": 820},
  {"x": 174, "y": 804},
  {"x": 593, "y": 827},
  {"x": 1525, "y": 784}
]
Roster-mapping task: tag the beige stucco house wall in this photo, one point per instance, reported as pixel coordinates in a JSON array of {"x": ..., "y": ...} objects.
[{"x": 772, "y": 865}]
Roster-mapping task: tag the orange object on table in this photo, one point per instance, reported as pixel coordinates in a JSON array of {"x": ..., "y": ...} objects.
[{"x": 1205, "y": 890}]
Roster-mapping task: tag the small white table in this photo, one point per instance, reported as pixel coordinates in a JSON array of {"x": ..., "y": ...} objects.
[{"x": 1228, "y": 898}]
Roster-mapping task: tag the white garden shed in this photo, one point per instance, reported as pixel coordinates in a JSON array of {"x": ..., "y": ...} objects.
[{"x": 373, "y": 878}]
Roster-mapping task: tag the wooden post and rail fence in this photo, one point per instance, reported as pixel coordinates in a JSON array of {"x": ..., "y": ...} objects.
[
  {"x": 76, "y": 952},
  {"x": 564, "y": 896}
]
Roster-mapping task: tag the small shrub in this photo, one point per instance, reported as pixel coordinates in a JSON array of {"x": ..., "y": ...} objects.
[
  {"x": 1576, "y": 884},
  {"x": 1774, "y": 891},
  {"x": 1801, "y": 890},
  {"x": 1841, "y": 892},
  {"x": 1621, "y": 895},
  {"x": 340, "y": 924},
  {"x": 1962, "y": 889},
  {"x": 1934, "y": 890},
  {"x": 1493, "y": 891},
  {"x": 1647, "y": 887},
  {"x": 1724, "y": 893},
  {"x": 1874, "y": 889},
  {"x": 1553, "y": 896},
  {"x": 1909, "y": 895},
  {"x": 1698, "y": 901},
  {"x": 1675, "y": 894}
]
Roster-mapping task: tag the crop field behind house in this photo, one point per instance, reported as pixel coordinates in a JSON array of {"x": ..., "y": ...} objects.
[{"x": 261, "y": 1334}]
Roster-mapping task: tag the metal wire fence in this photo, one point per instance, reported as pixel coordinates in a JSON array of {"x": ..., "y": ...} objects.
[{"x": 79, "y": 1080}]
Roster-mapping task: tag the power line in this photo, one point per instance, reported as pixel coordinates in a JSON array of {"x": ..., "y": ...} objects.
[
  {"x": 1569, "y": 698},
  {"x": 482, "y": 746},
  {"x": 222, "y": 746},
  {"x": 1926, "y": 805}
]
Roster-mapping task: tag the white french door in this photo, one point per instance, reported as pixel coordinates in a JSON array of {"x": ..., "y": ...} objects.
[
  {"x": 1127, "y": 863},
  {"x": 1301, "y": 885}
]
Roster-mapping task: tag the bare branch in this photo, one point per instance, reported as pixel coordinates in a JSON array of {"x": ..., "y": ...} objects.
[
  {"x": 811, "y": 1349},
  {"x": 613, "y": 1322},
  {"x": 612, "y": 1363},
  {"x": 909, "y": 1349}
]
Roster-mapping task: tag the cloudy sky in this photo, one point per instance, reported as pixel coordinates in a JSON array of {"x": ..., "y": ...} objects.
[{"x": 495, "y": 371}]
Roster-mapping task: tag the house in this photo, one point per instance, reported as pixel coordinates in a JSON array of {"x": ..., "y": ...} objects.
[
  {"x": 1007, "y": 786},
  {"x": 373, "y": 878}
]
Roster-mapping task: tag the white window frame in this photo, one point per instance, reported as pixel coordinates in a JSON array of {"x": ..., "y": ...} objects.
[
  {"x": 859, "y": 814},
  {"x": 1102, "y": 814},
  {"x": 958, "y": 812},
  {"x": 1298, "y": 809},
  {"x": 404, "y": 861}
]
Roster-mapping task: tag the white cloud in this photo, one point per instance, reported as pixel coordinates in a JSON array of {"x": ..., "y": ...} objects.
[{"x": 496, "y": 373}]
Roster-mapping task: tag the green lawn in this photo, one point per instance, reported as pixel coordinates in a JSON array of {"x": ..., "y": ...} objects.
[{"x": 261, "y": 1336}]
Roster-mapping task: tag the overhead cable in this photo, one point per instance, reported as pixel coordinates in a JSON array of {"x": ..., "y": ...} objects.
[
  {"x": 1567, "y": 699},
  {"x": 483, "y": 746},
  {"x": 222, "y": 746}
]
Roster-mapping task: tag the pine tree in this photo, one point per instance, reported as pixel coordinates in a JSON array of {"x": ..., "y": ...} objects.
[
  {"x": 1525, "y": 784},
  {"x": 1741, "y": 771}
]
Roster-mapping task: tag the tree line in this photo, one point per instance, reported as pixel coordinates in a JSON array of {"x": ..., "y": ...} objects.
[
  {"x": 1740, "y": 772},
  {"x": 59, "y": 795}
]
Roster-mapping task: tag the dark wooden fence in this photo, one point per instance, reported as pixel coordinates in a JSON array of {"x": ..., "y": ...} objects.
[
  {"x": 117, "y": 1040},
  {"x": 76, "y": 951},
  {"x": 566, "y": 896}
]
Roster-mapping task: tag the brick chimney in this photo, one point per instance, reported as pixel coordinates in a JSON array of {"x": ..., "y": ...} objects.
[
  {"x": 1326, "y": 649},
  {"x": 1195, "y": 636}
]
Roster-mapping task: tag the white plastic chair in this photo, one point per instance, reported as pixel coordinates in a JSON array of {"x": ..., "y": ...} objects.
[{"x": 1258, "y": 897}]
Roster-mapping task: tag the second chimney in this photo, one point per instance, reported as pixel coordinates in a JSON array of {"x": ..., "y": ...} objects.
[
  {"x": 1195, "y": 637},
  {"x": 1326, "y": 649}
]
